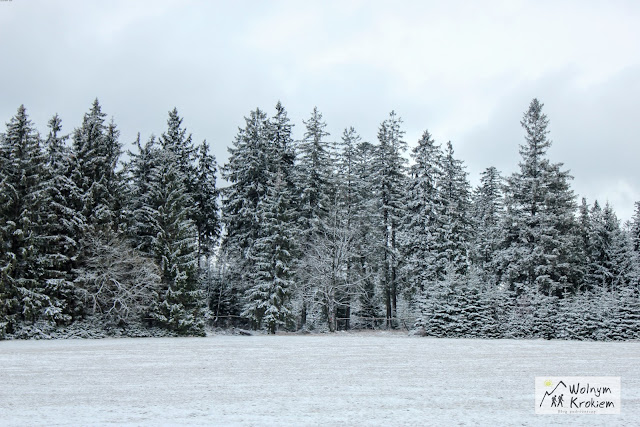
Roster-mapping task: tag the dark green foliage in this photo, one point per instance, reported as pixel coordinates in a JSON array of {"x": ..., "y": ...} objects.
[
  {"x": 174, "y": 247},
  {"x": 206, "y": 211},
  {"x": 22, "y": 218},
  {"x": 95, "y": 155}
]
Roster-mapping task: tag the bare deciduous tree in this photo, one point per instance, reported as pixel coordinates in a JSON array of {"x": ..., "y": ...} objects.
[{"x": 117, "y": 280}]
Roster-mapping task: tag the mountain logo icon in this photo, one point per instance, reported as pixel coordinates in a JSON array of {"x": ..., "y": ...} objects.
[{"x": 546, "y": 393}]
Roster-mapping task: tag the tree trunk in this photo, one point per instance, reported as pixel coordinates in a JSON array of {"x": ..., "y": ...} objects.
[{"x": 303, "y": 315}]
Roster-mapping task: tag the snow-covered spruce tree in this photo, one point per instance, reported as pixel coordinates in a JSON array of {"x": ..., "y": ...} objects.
[
  {"x": 582, "y": 242},
  {"x": 455, "y": 227},
  {"x": 22, "y": 170},
  {"x": 368, "y": 235},
  {"x": 282, "y": 157},
  {"x": 538, "y": 250},
  {"x": 441, "y": 307},
  {"x": 610, "y": 258},
  {"x": 268, "y": 298},
  {"x": 634, "y": 238},
  {"x": 626, "y": 323},
  {"x": 461, "y": 305},
  {"x": 61, "y": 228},
  {"x": 176, "y": 140},
  {"x": 271, "y": 256},
  {"x": 391, "y": 181},
  {"x": 248, "y": 174},
  {"x": 140, "y": 210},
  {"x": 283, "y": 149},
  {"x": 179, "y": 303},
  {"x": 486, "y": 216},
  {"x": 419, "y": 233},
  {"x": 348, "y": 203},
  {"x": 95, "y": 155},
  {"x": 314, "y": 172},
  {"x": 206, "y": 210}
]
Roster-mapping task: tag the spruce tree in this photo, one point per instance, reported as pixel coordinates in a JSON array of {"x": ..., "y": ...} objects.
[
  {"x": 487, "y": 211},
  {"x": 140, "y": 205},
  {"x": 177, "y": 141},
  {"x": 634, "y": 241},
  {"x": 538, "y": 249},
  {"x": 316, "y": 183},
  {"x": 348, "y": 203},
  {"x": 95, "y": 155},
  {"x": 455, "y": 227},
  {"x": 180, "y": 302},
  {"x": 368, "y": 235},
  {"x": 206, "y": 211},
  {"x": 61, "y": 228},
  {"x": 270, "y": 258},
  {"x": 423, "y": 209},
  {"x": 315, "y": 173},
  {"x": 22, "y": 174},
  {"x": 610, "y": 258},
  {"x": 391, "y": 182},
  {"x": 268, "y": 298},
  {"x": 248, "y": 174}
]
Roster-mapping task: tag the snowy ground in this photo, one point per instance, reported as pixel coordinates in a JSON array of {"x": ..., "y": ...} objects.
[{"x": 345, "y": 378}]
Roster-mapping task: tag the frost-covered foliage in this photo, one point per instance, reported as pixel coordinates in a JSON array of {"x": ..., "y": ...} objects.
[
  {"x": 421, "y": 229},
  {"x": 310, "y": 234},
  {"x": 538, "y": 251},
  {"x": 117, "y": 282},
  {"x": 390, "y": 179},
  {"x": 261, "y": 220}
]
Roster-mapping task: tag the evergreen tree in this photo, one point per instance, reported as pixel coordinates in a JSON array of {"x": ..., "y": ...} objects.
[
  {"x": 610, "y": 257},
  {"x": 634, "y": 241},
  {"x": 422, "y": 217},
  {"x": 95, "y": 155},
  {"x": 206, "y": 210},
  {"x": 455, "y": 229},
  {"x": 22, "y": 171},
  {"x": 348, "y": 203},
  {"x": 174, "y": 247},
  {"x": 271, "y": 256},
  {"x": 268, "y": 298},
  {"x": 391, "y": 181},
  {"x": 61, "y": 228},
  {"x": 315, "y": 173},
  {"x": 248, "y": 174},
  {"x": 487, "y": 214},
  {"x": 140, "y": 204},
  {"x": 283, "y": 150},
  {"x": 176, "y": 140},
  {"x": 538, "y": 250},
  {"x": 368, "y": 234}
]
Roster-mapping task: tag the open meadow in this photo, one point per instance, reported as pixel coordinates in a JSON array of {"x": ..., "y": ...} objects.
[{"x": 366, "y": 378}]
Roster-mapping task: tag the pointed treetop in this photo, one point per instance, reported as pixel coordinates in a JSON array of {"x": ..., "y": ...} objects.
[{"x": 535, "y": 123}]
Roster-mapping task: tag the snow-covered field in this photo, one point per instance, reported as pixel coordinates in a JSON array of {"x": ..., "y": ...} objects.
[{"x": 345, "y": 378}]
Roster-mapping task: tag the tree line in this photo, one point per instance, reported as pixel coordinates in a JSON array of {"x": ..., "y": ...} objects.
[{"x": 318, "y": 233}]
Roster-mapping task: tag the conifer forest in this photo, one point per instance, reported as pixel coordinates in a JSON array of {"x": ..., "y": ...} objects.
[{"x": 325, "y": 233}]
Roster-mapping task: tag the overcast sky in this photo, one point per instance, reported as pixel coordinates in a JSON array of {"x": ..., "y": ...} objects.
[{"x": 465, "y": 70}]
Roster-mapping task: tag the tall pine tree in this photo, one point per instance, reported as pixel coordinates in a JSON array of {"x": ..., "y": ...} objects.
[
  {"x": 538, "y": 250},
  {"x": 391, "y": 181}
]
